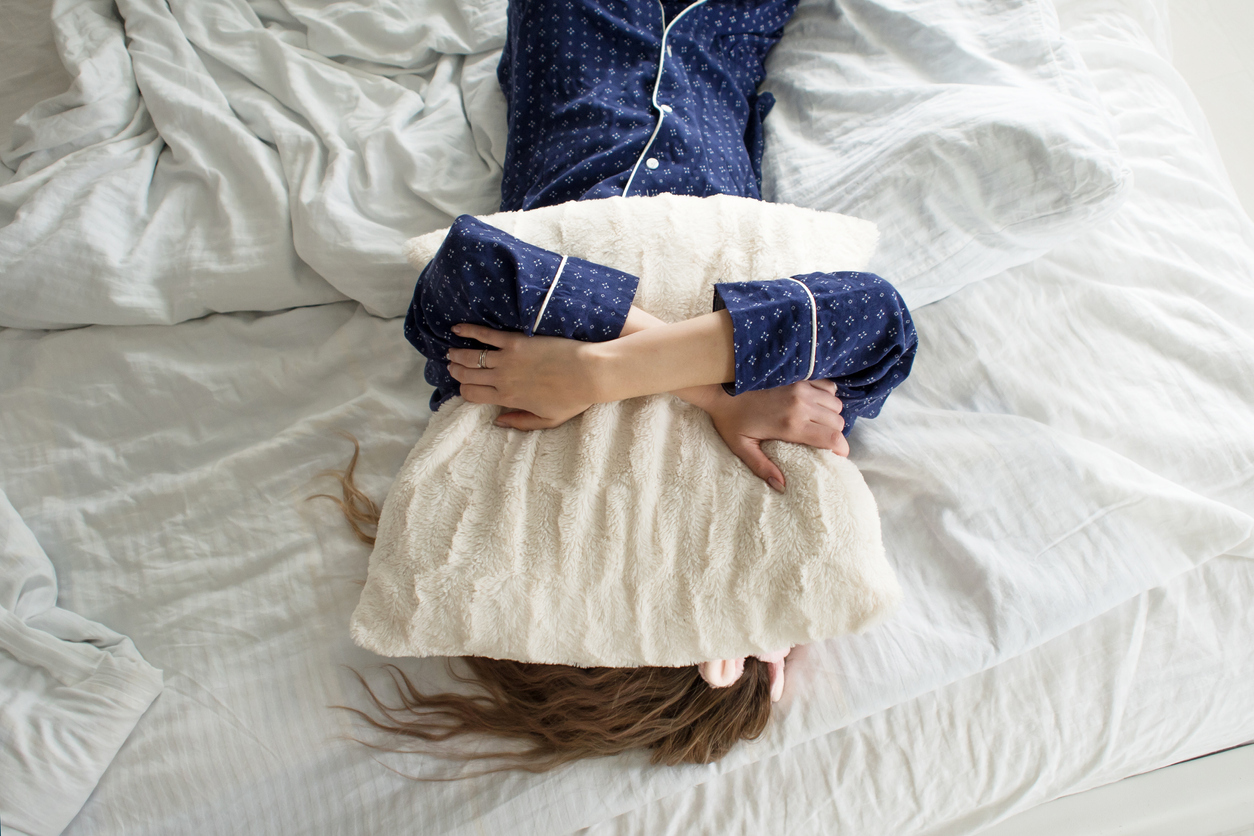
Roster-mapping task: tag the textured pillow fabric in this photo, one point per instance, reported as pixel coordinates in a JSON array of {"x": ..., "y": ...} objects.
[
  {"x": 630, "y": 535},
  {"x": 970, "y": 132}
]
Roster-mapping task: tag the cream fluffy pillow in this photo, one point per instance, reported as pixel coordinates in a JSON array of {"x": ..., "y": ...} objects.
[{"x": 630, "y": 535}]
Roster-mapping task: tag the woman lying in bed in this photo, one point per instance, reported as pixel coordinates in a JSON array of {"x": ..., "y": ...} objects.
[{"x": 637, "y": 98}]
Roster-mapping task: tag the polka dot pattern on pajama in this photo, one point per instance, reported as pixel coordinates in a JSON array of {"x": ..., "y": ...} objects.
[
  {"x": 854, "y": 325},
  {"x": 599, "y": 107},
  {"x": 637, "y": 97},
  {"x": 486, "y": 276}
]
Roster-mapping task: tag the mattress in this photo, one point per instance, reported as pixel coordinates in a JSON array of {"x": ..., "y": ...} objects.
[{"x": 1067, "y": 480}]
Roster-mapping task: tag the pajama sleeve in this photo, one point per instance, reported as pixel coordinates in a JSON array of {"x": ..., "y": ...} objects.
[
  {"x": 852, "y": 328},
  {"x": 483, "y": 276}
]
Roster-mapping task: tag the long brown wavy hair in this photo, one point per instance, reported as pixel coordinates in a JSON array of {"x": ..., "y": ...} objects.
[{"x": 563, "y": 713}]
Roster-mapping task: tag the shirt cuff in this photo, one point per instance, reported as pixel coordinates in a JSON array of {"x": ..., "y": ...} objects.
[
  {"x": 773, "y": 332},
  {"x": 577, "y": 299}
]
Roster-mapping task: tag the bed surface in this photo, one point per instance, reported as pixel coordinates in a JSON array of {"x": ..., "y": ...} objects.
[
  {"x": 1066, "y": 481},
  {"x": 1153, "y": 682}
]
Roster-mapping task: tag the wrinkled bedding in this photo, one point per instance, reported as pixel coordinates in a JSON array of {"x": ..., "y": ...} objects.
[
  {"x": 72, "y": 690},
  {"x": 234, "y": 156},
  {"x": 1074, "y": 435}
]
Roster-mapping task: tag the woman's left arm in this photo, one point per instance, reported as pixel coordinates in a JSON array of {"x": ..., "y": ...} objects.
[
  {"x": 549, "y": 381},
  {"x": 849, "y": 327}
]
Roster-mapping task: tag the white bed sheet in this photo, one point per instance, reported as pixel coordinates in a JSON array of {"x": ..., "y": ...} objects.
[
  {"x": 71, "y": 691},
  {"x": 163, "y": 467},
  {"x": 1160, "y": 679}
]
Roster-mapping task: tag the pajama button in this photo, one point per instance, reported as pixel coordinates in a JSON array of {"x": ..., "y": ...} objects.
[
  {"x": 667, "y": 108},
  {"x": 650, "y": 163}
]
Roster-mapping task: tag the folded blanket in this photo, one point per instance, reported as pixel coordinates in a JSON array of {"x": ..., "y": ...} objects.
[{"x": 630, "y": 535}]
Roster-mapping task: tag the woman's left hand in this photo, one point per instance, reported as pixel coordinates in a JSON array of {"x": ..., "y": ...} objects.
[
  {"x": 546, "y": 380},
  {"x": 803, "y": 413}
]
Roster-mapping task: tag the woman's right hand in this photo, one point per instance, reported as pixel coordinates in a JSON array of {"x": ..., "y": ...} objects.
[
  {"x": 545, "y": 381},
  {"x": 803, "y": 413}
]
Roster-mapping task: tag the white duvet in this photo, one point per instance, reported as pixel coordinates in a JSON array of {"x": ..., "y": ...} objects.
[{"x": 1075, "y": 432}]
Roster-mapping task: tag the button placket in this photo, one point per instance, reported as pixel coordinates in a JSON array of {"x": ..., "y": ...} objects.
[{"x": 652, "y": 163}]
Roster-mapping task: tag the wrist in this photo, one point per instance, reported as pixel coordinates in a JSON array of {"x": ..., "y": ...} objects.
[
  {"x": 708, "y": 398},
  {"x": 599, "y": 361},
  {"x": 683, "y": 355}
]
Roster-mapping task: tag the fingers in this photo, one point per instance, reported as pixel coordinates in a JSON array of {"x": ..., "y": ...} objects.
[
  {"x": 825, "y": 438},
  {"x": 749, "y": 451},
  {"x": 471, "y": 374},
  {"x": 825, "y": 396},
  {"x": 469, "y": 357},
  {"x": 522, "y": 420},
  {"x": 828, "y": 386},
  {"x": 818, "y": 427},
  {"x": 822, "y": 436},
  {"x": 480, "y": 394},
  {"x": 841, "y": 447},
  {"x": 832, "y": 404},
  {"x": 487, "y": 336},
  {"x": 826, "y": 417},
  {"x": 798, "y": 423}
]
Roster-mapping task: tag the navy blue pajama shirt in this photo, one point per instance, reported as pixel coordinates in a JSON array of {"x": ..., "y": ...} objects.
[{"x": 641, "y": 97}]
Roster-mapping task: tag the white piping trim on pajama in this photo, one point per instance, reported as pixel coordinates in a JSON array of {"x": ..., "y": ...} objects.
[
  {"x": 549, "y": 295},
  {"x": 814, "y": 325},
  {"x": 657, "y": 82}
]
